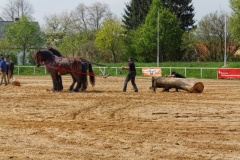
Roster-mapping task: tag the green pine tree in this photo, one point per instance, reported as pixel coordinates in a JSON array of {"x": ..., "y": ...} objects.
[
  {"x": 135, "y": 13},
  {"x": 184, "y": 11}
]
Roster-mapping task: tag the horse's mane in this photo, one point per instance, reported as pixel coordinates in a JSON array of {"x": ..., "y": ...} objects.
[
  {"x": 49, "y": 55},
  {"x": 55, "y": 52}
]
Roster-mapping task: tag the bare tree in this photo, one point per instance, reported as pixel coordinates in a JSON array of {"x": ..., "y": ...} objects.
[
  {"x": 52, "y": 23},
  {"x": 66, "y": 22},
  {"x": 210, "y": 35},
  {"x": 90, "y": 17},
  {"x": 9, "y": 11},
  {"x": 57, "y": 26},
  {"x": 17, "y": 8},
  {"x": 61, "y": 22},
  {"x": 23, "y": 7},
  {"x": 81, "y": 17},
  {"x": 98, "y": 12}
]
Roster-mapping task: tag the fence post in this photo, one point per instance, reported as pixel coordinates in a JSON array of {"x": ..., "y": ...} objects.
[{"x": 201, "y": 72}]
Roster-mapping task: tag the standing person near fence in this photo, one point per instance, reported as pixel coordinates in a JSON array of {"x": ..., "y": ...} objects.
[
  {"x": 3, "y": 70},
  {"x": 131, "y": 75}
]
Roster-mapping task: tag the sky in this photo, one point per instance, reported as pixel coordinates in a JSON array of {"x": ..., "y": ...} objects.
[{"x": 46, "y": 7}]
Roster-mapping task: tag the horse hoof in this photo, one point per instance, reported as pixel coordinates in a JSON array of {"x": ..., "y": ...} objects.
[
  {"x": 152, "y": 88},
  {"x": 71, "y": 91},
  {"x": 75, "y": 90},
  {"x": 165, "y": 90},
  {"x": 56, "y": 91}
]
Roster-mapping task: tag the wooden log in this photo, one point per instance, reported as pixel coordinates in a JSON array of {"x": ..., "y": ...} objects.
[{"x": 177, "y": 83}]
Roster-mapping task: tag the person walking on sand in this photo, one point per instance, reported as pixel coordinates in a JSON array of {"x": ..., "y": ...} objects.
[
  {"x": 3, "y": 70},
  {"x": 131, "y": 75}
]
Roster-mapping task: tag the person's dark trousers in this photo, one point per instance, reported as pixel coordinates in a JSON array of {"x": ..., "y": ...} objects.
[{"x": 131, "y": 76}]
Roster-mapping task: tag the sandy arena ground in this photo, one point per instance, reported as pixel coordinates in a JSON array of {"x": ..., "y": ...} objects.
[{"x": 107, "y": 124}]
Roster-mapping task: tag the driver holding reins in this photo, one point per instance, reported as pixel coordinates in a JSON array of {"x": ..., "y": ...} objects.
[{"x": 131, "y": 75}]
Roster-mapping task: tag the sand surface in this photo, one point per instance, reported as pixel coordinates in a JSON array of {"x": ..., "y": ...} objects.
[{"x": 105, "y": 123}]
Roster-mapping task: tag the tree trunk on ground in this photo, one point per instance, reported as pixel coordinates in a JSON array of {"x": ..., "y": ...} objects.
[{"x": 178, "y": 83}]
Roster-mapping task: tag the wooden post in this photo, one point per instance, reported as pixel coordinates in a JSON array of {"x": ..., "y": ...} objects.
[{"x": 178, "y": 83}]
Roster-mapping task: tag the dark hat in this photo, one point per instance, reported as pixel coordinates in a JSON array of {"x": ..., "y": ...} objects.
[{"x": 130, "y": 58}]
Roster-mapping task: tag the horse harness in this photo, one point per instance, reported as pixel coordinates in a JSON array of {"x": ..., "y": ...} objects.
[{"x": 59, "y": 62}]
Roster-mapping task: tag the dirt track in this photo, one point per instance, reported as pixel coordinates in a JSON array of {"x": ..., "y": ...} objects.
[{"x": 105, "y": 123}]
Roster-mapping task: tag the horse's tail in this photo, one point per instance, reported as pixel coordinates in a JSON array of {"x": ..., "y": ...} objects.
[
  {"x": 91, "y": 75},
  {"x": 10, "y": 68}
]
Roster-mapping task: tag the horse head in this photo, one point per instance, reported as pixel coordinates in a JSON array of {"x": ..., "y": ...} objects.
[{"x": 37, "y": 57}]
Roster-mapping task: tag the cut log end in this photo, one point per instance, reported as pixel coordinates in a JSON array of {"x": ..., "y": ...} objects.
[{"x": 197, "y": 88}]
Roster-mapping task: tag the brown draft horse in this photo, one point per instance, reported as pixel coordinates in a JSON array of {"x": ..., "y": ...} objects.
[
  {"x": 61, "y": 66},
  {"x": 86, "y": 63}
]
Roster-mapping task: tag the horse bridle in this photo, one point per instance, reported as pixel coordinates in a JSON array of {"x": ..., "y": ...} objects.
[{"x": 36, "y": 58}]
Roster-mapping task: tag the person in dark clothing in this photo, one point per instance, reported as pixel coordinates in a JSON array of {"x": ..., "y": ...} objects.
[
  {"x": 3, "y": 70},
  {"x": 131, "y": 75},
  {"x": 176, "y": 75}
]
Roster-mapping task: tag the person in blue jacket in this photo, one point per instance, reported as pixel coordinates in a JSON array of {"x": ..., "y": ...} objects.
[{"x": 3, "y": 70}]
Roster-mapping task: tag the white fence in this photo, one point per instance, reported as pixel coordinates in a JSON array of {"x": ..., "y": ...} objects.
[{"x": 186, "y": 71}]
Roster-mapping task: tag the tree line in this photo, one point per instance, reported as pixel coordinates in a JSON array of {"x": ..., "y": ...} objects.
[{"x": 147, "y": 29}]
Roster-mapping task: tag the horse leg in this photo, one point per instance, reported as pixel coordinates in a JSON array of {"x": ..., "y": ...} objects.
[
  {"x": 70, "y": 89},
  {"x": 91, "y": 75},
  {"x": 78, "y": 80},
  {"x": 83, "y": 77},
  {"x": 12, "y": 69},
  {"x": 55, "y": 82},
  {"x": 59, "y": 81},
  {"x": 8, "y": 76},
  {"x": 84, "y": 82}
]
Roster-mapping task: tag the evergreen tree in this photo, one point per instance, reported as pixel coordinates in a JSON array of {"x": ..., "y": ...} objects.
[
  {"x": 135, "y": 13},
  {"x": 144, "y": 39},
  {"x": 184, "y": 11}
]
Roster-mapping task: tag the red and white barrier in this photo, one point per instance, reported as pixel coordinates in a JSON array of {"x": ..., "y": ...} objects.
[
  {"x": 151, "y": 72},
  {"x": 228, "y": 73}
]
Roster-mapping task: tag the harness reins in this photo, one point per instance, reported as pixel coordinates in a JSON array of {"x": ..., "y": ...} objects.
[{"x": 59, "y": 68}]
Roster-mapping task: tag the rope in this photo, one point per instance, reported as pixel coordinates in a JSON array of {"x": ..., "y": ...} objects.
[{"x": 58, "y": 68}]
